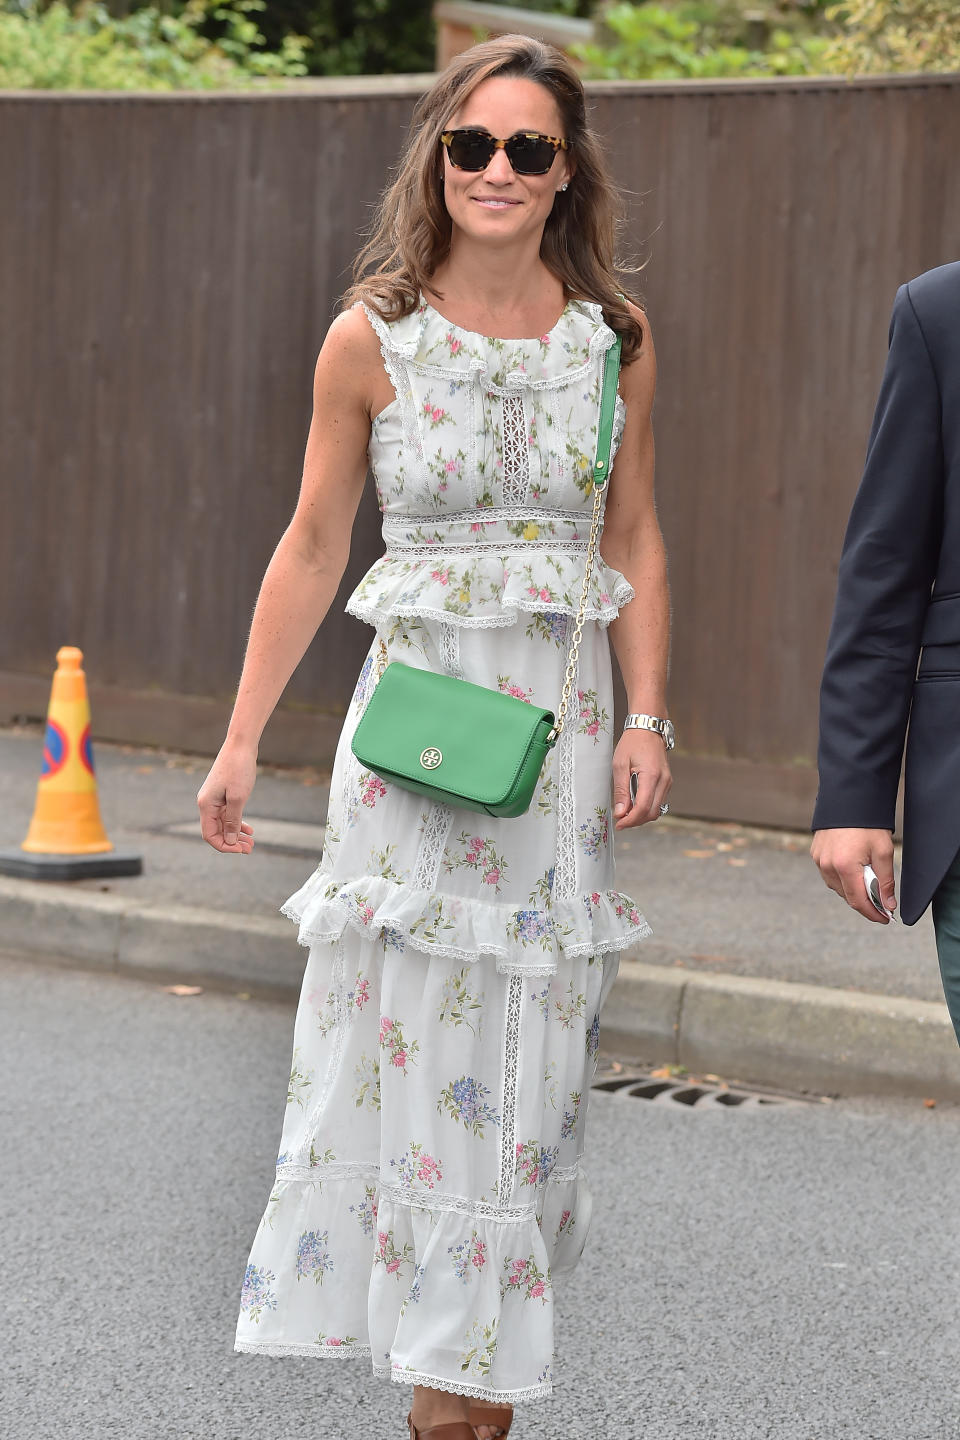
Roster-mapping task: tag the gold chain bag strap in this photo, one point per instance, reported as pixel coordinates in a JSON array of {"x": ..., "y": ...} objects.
[{"x": 462, "y": 744}]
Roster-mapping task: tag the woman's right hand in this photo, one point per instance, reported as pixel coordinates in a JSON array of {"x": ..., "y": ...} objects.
[{"x": 221, "y": 799}]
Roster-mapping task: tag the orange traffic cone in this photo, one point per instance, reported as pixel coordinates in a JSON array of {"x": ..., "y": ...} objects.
[{"x": 66, "y": 838}]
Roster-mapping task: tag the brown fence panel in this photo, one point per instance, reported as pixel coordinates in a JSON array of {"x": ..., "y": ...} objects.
[
  {"x": 779, "y": 219},
  {"x": 169, "y": 265}
]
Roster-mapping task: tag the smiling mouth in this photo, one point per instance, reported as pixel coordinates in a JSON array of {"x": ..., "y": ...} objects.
[{"x": 492, "y": 203}]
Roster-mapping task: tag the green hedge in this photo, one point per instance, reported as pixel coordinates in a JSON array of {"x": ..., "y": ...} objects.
[
  {"x": 86, "y": 48},
  {"x": 698, "y": 39},
  {"x": 211, "y": 44},
  {"x": 693, "y": 39}
]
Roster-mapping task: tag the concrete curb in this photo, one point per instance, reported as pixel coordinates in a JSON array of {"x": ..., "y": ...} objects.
[
  {"x": 777, "y": 1032},
  {"x": 106, "y": 932},
  {"x": 767, "y": 1032}
]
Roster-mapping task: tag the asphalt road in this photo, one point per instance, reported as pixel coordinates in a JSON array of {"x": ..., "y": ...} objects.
[{"x": 787, "y": 1272}]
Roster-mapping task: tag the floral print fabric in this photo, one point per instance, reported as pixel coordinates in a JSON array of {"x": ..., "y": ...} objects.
[
  {"x": 422, "y": 1212},
  {"x": 484, "y": 471},
  {"x": 429, "y": 1189}
]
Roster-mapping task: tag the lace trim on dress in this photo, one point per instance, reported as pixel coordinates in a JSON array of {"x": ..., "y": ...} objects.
[
  {"x": 431, "y": 1202},
  {"x": 511, "y": 1057},
  {"x": 450, "y": 650},
  {"x": 377, "y": 617},
  {"x": 330, "y": 1170},
  {"x": 485, "y": 547},
  {"x": 490, "y": 513},
  {"x": 284, "y": 1347},
  {"x": 383, "y": 1372},
  {"x": 525, "y": 940},
  {"x": 474, "y": 428},
  {"x": 563, "y": 1174},
  {"x": 527, "y": 971},
  {"x": 480, "y": 1392},
  {"x": 516, "y": 467},
  {"x": 461, "y": 1205},
  {"x": 565, "y": 873},
  {"x": 432, "y": 845},
  {"x": 400, "y": 380}
]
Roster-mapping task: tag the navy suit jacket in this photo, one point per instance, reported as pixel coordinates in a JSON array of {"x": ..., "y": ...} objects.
[{"x": 893, "y": 655}]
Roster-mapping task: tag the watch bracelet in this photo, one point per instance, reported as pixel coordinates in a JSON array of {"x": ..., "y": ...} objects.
[{"x": 658, "y": 725}]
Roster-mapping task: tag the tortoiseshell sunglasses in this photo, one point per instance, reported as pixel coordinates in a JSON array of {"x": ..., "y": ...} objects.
[{"x": 528, "y": 152}]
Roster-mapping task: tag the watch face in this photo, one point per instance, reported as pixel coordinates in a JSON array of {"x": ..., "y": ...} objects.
[{"x": 669, "y": 734}]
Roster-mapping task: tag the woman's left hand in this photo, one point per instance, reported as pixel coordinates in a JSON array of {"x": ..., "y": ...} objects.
[{"x": 644, "y": 753}]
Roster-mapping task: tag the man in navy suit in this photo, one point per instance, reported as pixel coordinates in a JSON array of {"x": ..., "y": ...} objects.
[{"x": 894, "y": 649}]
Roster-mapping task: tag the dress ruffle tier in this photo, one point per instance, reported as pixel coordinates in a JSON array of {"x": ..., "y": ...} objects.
[
  {"x": 504, "y": 1270},
  {"x": 480, "y": 569},
  {"x": 525, "y": 939},
  {"x": 426, "y": 1201},
  {"x": 484, "y": 591}
]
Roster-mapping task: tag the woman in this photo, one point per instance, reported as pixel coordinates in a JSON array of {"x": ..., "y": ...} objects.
[{"x": 428, "y": 1188}]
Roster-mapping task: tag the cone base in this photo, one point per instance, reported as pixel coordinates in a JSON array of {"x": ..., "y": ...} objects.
[
  {"x": 69, "y": 867},
  {"x": 49, "y": 846}
]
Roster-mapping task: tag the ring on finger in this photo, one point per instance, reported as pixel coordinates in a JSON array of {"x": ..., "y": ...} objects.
[{"x": 664, "y": 808}]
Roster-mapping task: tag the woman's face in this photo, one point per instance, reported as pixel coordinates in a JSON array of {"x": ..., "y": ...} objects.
[{"x": 497, "y": 204}]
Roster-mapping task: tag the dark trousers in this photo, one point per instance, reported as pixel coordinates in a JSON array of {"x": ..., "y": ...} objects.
[{"x": 946, "y": 925}]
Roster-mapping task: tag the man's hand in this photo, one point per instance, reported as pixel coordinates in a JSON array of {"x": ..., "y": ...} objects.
[{"x": 840, "y": 856}]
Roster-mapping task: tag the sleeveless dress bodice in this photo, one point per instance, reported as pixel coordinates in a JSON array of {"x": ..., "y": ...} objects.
[{"x": 484, "y": 471}]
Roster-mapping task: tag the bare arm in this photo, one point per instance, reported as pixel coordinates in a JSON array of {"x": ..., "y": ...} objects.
[
  {"x": 304, "y": 572},
  {"x": 632, "y": 543}
]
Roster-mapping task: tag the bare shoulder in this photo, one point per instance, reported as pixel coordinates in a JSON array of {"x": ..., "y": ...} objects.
[
  {"x": 638, "y": 378},
  {"x": 646, "y": 350},
  {"x": 638, "y": 313},
  {"x": 349, "y": 365},
  {"x": 352, "y": 336}
]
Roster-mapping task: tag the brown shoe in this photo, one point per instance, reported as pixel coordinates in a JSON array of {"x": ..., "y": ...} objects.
[
  {"x": 484, "y": 1412},
  {"x": 457, "y": 1430}
]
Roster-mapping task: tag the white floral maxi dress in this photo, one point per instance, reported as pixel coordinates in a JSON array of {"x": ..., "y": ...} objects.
[{"x": 428, "y": 1189}]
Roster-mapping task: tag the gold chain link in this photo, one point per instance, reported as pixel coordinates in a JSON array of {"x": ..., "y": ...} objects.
[{"x": 574, "y": 655}]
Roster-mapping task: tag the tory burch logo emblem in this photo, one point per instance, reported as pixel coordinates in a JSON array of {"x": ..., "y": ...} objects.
[{"x": 430, "y": 758}]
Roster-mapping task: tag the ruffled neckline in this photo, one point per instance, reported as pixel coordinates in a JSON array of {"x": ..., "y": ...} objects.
[
  {"x": 495, "y": 339},
  {"x": 434, "y": 345}
]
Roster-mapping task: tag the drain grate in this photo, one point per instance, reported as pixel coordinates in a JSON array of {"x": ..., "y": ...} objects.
[{"x": 692, "y": 1091}]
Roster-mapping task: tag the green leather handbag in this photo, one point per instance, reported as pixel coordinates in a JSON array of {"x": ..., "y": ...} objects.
[{"x": 462, "y": 744}]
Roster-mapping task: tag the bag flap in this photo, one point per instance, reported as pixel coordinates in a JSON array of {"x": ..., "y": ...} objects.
[{"x": 481, "y": 736}]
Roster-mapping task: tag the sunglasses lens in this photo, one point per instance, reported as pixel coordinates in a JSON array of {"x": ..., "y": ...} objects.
[
  {"x": 529, "y": 155},
  {"x": 470, "y": 150}
]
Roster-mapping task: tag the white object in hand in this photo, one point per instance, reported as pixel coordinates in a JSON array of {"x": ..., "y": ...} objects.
[{"x": 872, "y": 886}]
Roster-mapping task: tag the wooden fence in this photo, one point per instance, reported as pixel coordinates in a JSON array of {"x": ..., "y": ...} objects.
[{"x": 168, "y": 267}]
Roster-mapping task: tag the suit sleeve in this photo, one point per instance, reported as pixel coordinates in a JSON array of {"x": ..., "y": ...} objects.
[{"x": 887, "y": 569}]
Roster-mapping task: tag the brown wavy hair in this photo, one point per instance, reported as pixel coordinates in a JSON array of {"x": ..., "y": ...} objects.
[{"x": 411, "y": 233}]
